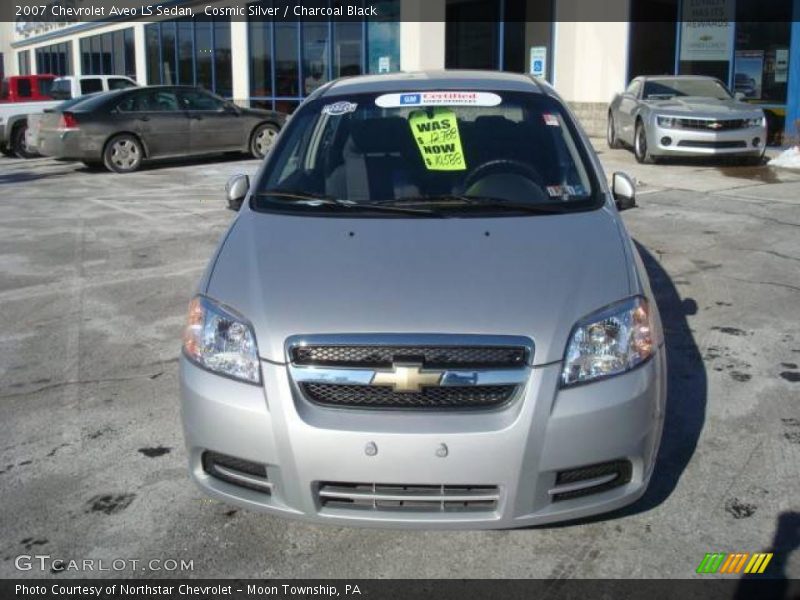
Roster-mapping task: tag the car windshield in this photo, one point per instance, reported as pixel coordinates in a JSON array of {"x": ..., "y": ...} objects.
[
  {"x": 465, "y": 152},
  {"x": 658, "y": 89}
]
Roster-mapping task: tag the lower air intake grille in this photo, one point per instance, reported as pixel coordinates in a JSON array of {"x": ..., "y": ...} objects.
[
  {"x": 370, "y": 396},
  {"x": 237, "y": 471},
  {"x": 703, "y": 144},
  {"x": 399, "y": 497}
]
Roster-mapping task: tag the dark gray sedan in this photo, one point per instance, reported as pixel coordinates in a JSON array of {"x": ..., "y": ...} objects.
[{"x": 120, "y": 130}]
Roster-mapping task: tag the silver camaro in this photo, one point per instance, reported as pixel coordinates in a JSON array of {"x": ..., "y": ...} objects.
[
  {"x": 426, "y": 313},
  {"x": 685, "y": 115}
]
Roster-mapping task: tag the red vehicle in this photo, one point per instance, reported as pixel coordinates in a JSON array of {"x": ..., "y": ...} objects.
[{"x": 27, "y": 88}]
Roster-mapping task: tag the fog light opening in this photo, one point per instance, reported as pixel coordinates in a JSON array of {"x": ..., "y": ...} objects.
[
  {"x": 591, "y": 479},
  {"x": 756, "y": 141},
  {"x": 666, "y": 141},
  {"x": 237, "y": 471}
]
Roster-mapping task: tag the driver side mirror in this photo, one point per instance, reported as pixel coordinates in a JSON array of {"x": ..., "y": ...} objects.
[
  {"x": 739, "y": 96},
  {"x": 623, "y": 190},
  {"x": 236, "y": 190}
]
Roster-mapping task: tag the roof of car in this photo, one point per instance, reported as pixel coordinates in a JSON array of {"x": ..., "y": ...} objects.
[
  {"x": 667, "y": 76},
  {"x": 434, "y": 80}
]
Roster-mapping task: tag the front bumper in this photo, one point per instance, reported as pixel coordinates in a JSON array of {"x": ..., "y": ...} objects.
[
  {"x": 694, "y": 142},
  {"x": 518, "y": 448}
]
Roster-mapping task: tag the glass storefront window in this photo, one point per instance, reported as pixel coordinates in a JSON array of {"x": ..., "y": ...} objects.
[
  {"x": 290, "y": 59},
  {"x": 287, "y": 71},
  {"x": 24, "y": 62},
  {"x": 190, "y": 52},
  {"x": 316, "y": 59},
  {"x": 347, "y": 49},
  {"x": 109, "y": 54},
  {"x": 55, "y": 59}
]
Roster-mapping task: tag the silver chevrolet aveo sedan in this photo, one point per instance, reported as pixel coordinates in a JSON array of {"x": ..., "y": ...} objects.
[{"x": 426, "y": 313}]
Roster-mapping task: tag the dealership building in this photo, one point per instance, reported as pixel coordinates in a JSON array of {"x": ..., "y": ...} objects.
[{"x": 588, "y": 49}]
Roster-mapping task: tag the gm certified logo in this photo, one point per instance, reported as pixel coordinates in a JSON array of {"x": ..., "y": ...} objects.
[
  {"x": 409, "y": 99},
  {"x": 407, "y": 377}
]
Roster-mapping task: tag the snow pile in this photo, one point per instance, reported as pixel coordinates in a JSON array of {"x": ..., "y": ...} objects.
[{"x": 789, "y": 159}]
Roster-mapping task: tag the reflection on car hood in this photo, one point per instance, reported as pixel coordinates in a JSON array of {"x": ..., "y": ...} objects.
[
  {"x": 531, "y": 276},
  {"x": 708, "y": 107}
]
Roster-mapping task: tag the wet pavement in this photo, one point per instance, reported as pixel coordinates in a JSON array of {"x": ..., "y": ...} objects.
[{"x": 96, "y": 271}]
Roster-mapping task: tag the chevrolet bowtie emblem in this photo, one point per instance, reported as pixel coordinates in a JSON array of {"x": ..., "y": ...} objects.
[
  {"x": 715, "y": 125},
  {"x": 407, "y": 377}
]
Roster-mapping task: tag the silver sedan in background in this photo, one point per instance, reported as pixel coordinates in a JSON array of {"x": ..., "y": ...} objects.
[{"x": 685, "y": 115}]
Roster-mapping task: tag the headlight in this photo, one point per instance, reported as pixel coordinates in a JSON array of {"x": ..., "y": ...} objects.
[
  {"x": 221, "y": 341},
  {"x": 668, "y": 122},
  {"x": 757, "y": 122},
  {"x": 611, "y": 341}
]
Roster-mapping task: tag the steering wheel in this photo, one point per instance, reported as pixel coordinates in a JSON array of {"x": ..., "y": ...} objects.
[{"x": 503, "y": 164}]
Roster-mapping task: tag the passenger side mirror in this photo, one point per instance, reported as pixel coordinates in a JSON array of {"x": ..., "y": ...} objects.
[
  {"x": 236, "y": 190},
  {"x": 230, "y": 107},
  {"x": 624, "y": 191},
  {"x": 739, "y": 96}
]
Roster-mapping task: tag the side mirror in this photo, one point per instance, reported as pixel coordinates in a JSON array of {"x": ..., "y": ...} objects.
[
  {"x": 739, "y": 96},
  {"x": 236, "y": 189},
  {"x": 624, "y": 191}
]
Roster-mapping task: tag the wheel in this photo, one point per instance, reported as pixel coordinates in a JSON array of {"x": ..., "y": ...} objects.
[
  {"x": 123, "y": 154},
  {"x": 611, "y": 133},
  {"x": 640, "y": 149},
  {"x": 18, "y": 144},
  {"x": 262, "y": 139},
  {"x": 6, "y": 151}
]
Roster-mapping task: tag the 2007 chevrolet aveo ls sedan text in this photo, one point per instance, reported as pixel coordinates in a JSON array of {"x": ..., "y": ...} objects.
[{"x": 427, "y": 313}]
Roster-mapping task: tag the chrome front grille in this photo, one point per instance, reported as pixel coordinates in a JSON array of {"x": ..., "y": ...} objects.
[
  {"x": 402, "y": 497},
  {"x": 398, "y": 371}
]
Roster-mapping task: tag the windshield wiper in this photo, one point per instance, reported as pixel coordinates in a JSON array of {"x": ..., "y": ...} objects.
[
  {"x": 485, "y": 201},
  {"x": 315, "y": 199}
]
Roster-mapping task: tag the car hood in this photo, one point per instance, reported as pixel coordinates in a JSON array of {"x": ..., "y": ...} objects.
[
  {"x": 532, "y": 276},
  {"x": 705, "y": 107}
]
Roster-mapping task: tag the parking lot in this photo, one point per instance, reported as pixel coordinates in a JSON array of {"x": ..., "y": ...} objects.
[{"x": 96, "y": 270}]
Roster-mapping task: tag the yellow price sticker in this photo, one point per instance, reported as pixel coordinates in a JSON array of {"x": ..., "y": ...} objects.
[{"x": 438, "y": 140}]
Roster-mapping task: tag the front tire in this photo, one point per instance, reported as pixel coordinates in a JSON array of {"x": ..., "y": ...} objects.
[
  {"x": 123, "y": 154},
  {"x": 640, "y": 149},
  {"x": 611, "y": 133},
  {"x": 262, "y": 140},
  {"x": 18, "y": 145}
]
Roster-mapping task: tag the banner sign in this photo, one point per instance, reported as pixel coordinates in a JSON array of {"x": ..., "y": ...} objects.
[{"x": 707, "y": 30}]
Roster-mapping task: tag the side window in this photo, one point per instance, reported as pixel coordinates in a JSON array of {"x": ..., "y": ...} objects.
[
  {"x": 160, "y": 101},
  {"x": 115, "y": 83},
  {"x": 195, "y": 100},
  {"x": 130, "y": 103},
  {"x": 24, "y": 88},
  {"x": 91, "y": 85},
  {"x": 634, "y": 87}
]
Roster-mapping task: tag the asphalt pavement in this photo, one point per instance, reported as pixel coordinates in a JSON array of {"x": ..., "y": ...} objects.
[{"x": 96, "y": 270}]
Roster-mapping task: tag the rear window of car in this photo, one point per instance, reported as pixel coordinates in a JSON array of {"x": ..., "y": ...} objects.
[{"x": 116, "y": 83}]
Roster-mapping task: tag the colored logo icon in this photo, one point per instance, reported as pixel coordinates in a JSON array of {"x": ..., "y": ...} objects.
[{"x": 725, "y": 563}]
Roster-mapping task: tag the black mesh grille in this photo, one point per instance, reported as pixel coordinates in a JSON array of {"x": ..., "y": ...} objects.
[
  {"x": 440, "y": 357},
  {"x": 713, "y": 125},
  {"x": 369, "y": 396},
  {"x": 702, "y": 144}
]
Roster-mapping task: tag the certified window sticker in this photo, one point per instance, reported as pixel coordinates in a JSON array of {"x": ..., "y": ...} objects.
[{"x": 440, "y": 98}]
